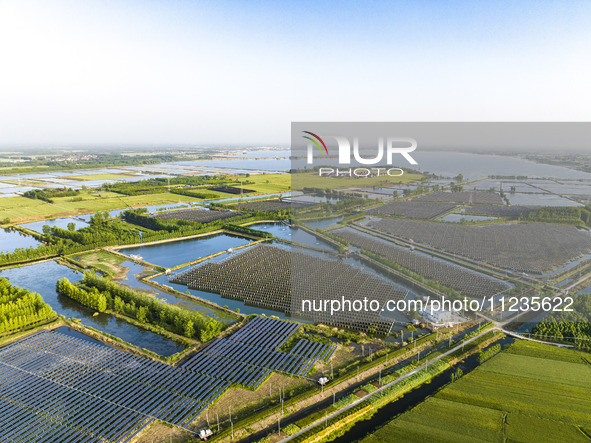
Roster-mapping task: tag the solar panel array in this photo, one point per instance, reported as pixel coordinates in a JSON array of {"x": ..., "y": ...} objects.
[
  {"x": 313, "y": 350},
  {"x": 52, "y": 384},
  {"x": 249, "y": 355},
  {"x": 282, "y": 279}
]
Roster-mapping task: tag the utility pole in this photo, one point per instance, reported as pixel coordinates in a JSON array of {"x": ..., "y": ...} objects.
[
  {"x": 218, "y": 419},
  {"x": 207, "y": 416},
  {"x": 232, "y": 425},
  {"x": 333, "y": 398},
  {"x": 357, "y": 372},
  {"x": 279, "y": 426}
]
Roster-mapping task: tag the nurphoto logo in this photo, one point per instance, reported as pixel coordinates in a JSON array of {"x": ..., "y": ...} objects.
[{"x": 387, "y": 147}]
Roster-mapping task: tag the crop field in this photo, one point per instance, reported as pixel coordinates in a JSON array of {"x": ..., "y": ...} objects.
[
  {"x": 75, "y": 390},
  {"x": 200, "y": 215},
  {"x": 411, "y": 209},
  {"x": 262, "y": 276},
  {"x": 513, "y": 397},
  {"x": 269, "y": 183},
  {"x": 526, "y": 247},
  {"x": 302, "y": 180},
  {"x": 249, "y": 355},
  {"x": 478, "y": 197},
  {"x": 498, "y": 210},
  {"x": 465, "y": 281},
  {"x": 22, "y": 209}
]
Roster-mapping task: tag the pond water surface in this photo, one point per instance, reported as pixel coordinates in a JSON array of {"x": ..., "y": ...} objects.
[{"x": 42, "y": 278}]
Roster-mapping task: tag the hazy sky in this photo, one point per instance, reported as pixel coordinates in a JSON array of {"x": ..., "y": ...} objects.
[{"x": 214, "y": 72}]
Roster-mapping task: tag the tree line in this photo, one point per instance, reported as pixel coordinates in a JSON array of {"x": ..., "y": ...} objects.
[
  {"x": 101, "y": 292},
  {"x": 570, "y": 326},
  {"x": 20, "y": 308},
  {"x": 563, "y": 215}
]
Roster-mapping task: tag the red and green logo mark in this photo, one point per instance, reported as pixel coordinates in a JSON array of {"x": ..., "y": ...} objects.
[{"x": 313, "y": 140}]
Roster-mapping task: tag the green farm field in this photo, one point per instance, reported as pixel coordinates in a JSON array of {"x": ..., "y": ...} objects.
[
  {"x": 529, "y": 392},
  {"x": 313, "y": 180},
  {"x": 269, "y": 183},
  {"x": 21, "y": 209}
]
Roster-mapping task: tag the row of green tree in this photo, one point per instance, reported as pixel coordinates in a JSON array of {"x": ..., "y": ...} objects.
[
  {"x": 570, "y": 326},
  {"x": 92, "y": 297},
  {"x": 144, "y": 308},
  {"x": 246, "y": 230},
  {"x": 159, "y": 185},
  {"x": 563, "y": 215},
  {"x": 104, "y": 232},
  {"x": 20, "y": 308},
  {"x": 194, "y": 193},
  {"x": 47, "y": 195}
]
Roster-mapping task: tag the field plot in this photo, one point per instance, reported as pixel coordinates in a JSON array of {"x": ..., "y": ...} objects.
[
  {"x": 200, "y": 215},
  {"x": 465, "y": 281},
  {"x": 231, "y": 190},
  {"x": 512, "y": 397},
  {"x": 24, "y": 209},
  {"x": 411, "y": 209},
  {"x": 262, "y": 276},
  {"x": 70, "y": 389},
  {"x": 249, "y": 355},
  {"x": 500, "y": 211},
  {"x": 478, "y": 197},
  {"x": 272, "y": 206},
  {"x": 526, "y": 247}
]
